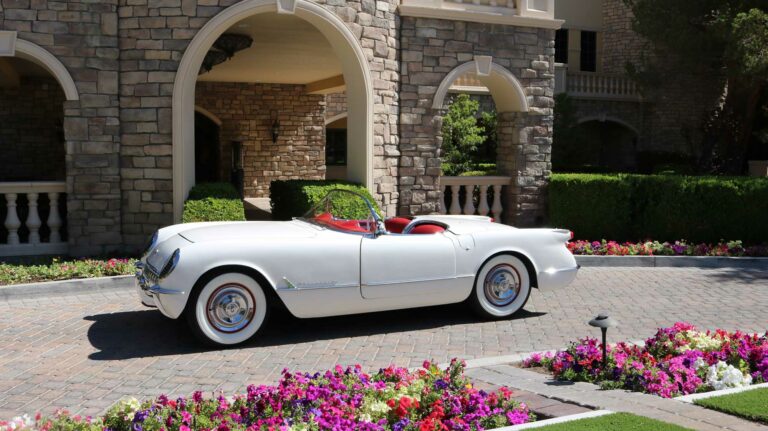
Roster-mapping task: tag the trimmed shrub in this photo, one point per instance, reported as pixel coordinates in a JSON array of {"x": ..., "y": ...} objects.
[
  {"x": 293, "y": 198},
  {"x": 591, "y": 205},
  {"x": 213, "y": 190},
  {"x": 638, "y": 207},
  {"x": 213, "y": 202}
]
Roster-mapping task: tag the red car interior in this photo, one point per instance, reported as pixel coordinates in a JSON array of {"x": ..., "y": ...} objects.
[
  {"x": 427, "y": 228},
  {"x": 393, "y": 225},
  {"x": 396, "y": 224}
]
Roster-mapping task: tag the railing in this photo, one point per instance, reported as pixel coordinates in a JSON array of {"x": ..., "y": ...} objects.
[
  {"x": 32, "y": 224},
  {"x": 599, "y": 86},
  {"x": 493, "y": 11},
  {"x": 473, "y": 204}
]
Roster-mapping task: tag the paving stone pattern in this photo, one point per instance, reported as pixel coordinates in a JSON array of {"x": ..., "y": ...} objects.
[{"x": 85, "y": 352}]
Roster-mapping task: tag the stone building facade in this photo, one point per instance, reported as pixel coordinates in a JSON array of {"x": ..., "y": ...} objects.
[
  {"x": 121, "y": 64},
  {"x": 247, "y": 112}
]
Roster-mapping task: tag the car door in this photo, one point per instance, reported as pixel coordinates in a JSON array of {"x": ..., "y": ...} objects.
[{"x": 406, "y": 265}]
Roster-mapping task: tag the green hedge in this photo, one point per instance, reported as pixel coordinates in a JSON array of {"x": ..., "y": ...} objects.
[
  {"x": 213, "y": 202},
  {"x": 293, "y": 198},
  {"x": 665, "y": 207}
]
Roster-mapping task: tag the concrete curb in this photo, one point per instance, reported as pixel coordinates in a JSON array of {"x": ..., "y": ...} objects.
[
  {"x": 674, "y": 261},
  {"x": 703, "y": 395},
  {"x": 66, "y": 287},
  {"x": 554, "y": 421}
]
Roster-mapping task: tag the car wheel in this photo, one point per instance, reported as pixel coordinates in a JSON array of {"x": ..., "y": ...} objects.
[
  {"x": 502, "y": 287},
  {"x": 227, "y": 310}
]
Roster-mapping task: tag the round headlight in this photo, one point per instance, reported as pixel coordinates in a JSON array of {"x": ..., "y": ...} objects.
[
  {"x": 170, "y": 265},
  {"x": 152, "y": 243}
]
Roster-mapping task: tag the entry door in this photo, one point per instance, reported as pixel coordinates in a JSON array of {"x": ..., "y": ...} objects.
[{"x": 404, "y": 265}]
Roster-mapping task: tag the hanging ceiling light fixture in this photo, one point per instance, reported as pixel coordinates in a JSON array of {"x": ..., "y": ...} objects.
[{"x": 223, "y": 49}]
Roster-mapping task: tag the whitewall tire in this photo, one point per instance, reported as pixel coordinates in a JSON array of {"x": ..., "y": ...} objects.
[
  {"x": 502, "y": 287},
  {"x": 227, "y": 310}
]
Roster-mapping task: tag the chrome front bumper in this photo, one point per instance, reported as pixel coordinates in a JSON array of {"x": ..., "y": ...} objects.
[{"x": 557, "y": 278}]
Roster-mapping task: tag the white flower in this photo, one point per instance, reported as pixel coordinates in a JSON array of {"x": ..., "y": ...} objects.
[
  {"x": 723, "y": 376},
  {"x": 699, "y": 363}
]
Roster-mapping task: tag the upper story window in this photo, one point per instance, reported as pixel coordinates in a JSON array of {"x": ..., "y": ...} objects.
[
  {"x": 561, "y": 46},
  {"x": 588, "y": 51}
]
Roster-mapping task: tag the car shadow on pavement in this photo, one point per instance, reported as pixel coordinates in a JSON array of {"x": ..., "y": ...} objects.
[
  {"x": 147, "y": 333},
  {"x": 744, "y": 275}
]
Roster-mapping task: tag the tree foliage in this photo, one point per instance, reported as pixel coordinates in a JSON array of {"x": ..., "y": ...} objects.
[
  {"x": 725, "y": 38},
  {"x": 462, "y": 135}
]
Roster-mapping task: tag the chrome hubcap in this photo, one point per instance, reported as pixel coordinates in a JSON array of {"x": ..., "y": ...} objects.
[
  {"x": 230, "y": 308},
  {"x": 502, "y": 285}
]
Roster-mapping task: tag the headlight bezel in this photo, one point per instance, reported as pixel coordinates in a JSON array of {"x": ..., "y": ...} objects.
[
  {"x": 170, "y": 264},
  {"x": 151, "y": 245}
]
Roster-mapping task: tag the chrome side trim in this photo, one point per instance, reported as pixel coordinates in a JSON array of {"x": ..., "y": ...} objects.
[
  {"x": 157, "y": 290},
  {"x": 292, "y": 288},
  {"x": 421, "y": 280}
]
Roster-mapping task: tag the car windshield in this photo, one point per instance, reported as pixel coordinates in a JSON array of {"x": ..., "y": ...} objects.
[{"x": 343, "y": 210}]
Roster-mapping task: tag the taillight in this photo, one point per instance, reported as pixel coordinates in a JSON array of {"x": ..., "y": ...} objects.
[
  {"x": 493, "y": 220},
  {"x": 571, "y": 233}
]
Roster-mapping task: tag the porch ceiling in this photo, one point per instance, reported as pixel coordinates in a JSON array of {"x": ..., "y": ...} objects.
[{"x": 285, "y": 50}]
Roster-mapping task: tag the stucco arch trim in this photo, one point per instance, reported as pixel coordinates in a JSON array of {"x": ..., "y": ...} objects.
[
  {"x": 39, "y": 55},
  {"x": 507, "y": 92},
  {"x": 208, "y": 114},
  {"x": 355, "y": 68},
  {"x": 335, "y": 118},
  {"x": 609, "y": 119}
]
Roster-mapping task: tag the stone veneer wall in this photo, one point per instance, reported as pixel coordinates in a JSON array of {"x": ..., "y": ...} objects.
[
  {"x": 82, "y": 34},
  {"x": 673, "y": 111},
  {"x": 153, "y": 37},
  {"x": 32, "y": 144},
  {"x": 430, "y": 49},
  {"x": 336, "y": 103},
  {"x": 246, "y": 114}
]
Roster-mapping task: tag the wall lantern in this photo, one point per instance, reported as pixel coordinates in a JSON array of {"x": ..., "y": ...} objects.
[
  {"x": 603, "y": 322},
  {"x": 275, "y": 129}
]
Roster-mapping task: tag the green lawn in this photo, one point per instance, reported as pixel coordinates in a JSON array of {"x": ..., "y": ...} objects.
[
  {"x": 616, "y": 421},
  {"x": 751, "y": 405}
]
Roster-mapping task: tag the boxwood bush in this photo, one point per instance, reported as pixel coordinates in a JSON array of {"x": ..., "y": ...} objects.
[
  {"x": 637, "y": 207},
  {"x": 213, "y": 202},
  {"x": 293, "y": 198}
]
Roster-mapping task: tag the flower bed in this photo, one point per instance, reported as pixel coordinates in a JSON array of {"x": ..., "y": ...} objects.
[
  {"x": 679, "y": 360},
  {"x": 64, "y": 270},
  {"x": 656, "y": 248},
  {"x": 428, "y": 399}
]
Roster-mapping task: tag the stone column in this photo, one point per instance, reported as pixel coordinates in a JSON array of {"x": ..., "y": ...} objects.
[
  {"x": 420, "y": 161},
  {"x": 523, "y": 153}
]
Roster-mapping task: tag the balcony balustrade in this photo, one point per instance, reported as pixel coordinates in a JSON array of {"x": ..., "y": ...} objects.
[
  {"x": 474, "y": 203},
  {"x": 12, "y": 244}
]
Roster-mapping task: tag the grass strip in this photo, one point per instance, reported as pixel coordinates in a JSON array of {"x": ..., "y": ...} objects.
[
  {"x": 616, "y": 421},
  {"x": 751, "y": 405}
]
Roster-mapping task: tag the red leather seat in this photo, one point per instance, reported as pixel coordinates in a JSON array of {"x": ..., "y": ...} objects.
[
  {"x": 396, "y": 224},
  {"x": 427, "y": 228}
]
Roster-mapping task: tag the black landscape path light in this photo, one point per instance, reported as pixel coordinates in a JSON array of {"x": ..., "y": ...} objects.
[{"x": 604, "y": 322}]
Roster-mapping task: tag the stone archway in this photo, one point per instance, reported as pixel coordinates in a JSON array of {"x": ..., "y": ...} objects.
[
  {"x": 522, "y": 153},
  {"x": 357, "y": 77}
]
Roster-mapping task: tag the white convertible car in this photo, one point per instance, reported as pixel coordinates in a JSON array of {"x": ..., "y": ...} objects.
[{"x": 223, "y": 277}]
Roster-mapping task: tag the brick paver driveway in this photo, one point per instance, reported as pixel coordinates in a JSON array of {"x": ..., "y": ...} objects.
[{"x": 84, "y": 352}]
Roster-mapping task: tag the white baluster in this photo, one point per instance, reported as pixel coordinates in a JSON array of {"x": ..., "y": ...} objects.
[
  {"x": 483, "y": 209},
  {"x": 33, "y": 219},
  {"x": 54, "y": 220},
  {"x": 442, "y": 199},
  {"x": 497, "y": 203},
  {"x": 12, "y": 222},
  {"x": 469, "y": 199},
  {"x": 455, "y": 207}
]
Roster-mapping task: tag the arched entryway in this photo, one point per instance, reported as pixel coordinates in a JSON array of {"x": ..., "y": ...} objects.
[
  {"x": 356, "y": 77},
  {"x": 506, "y": 195},
  {"x": 34, "y": 87}
]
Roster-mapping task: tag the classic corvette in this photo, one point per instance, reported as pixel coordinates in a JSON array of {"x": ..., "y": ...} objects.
[{"x": 223, "y": 277}]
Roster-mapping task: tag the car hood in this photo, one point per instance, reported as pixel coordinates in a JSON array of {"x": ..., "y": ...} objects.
[{"x": 249, "y": 230}]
